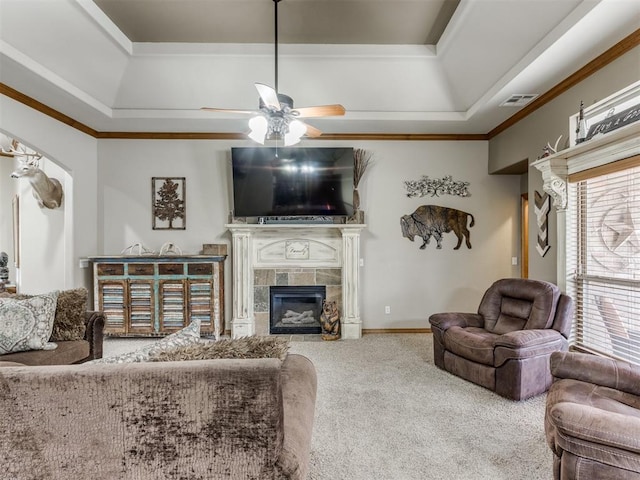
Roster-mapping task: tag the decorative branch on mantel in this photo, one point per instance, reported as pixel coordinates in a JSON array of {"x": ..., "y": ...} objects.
[
  {"x": 436, "y": 187},
  {"x": 361, "y": 160}
]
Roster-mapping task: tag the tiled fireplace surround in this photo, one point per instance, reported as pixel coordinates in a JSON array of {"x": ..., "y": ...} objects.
[{"x": 294, "y": 254}]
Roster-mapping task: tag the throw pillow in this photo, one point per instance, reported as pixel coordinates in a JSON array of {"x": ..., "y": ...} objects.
[
  {"x": 245, "y": 347},
  {"x": 26, "y": 324},
  {"x": 70, "y": 312},
  {"x": 186, "y": 336},
  {"x": 68, "y": 323}
]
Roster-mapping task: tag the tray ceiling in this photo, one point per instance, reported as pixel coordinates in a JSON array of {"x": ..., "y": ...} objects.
[{"x": 398, "y": 66}]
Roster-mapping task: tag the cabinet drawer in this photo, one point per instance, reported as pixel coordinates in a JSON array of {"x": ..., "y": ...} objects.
[
  {"x": 171, "y": 269},
  {"x": 200, "y": 269},
  {"x": 110, "y": 269},
  {"x": 140, "y": 269}
]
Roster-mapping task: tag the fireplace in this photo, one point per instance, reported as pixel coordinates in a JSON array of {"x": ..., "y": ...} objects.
[
  {"x": 296, "y": 309},
  {"x": 293, "y": 254}
]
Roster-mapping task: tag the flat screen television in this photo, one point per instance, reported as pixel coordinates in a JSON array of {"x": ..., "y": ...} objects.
[{"x": 270, "y": 182}]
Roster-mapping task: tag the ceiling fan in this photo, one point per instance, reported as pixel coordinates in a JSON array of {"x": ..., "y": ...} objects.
[{"x": 276, "y": 117}]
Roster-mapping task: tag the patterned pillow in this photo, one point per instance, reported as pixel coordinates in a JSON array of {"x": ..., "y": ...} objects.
[
  {"x": 244, "y": 347},
  {"x": 26, "y": 324},
  {"x": 68, "y": 323},
  {"x": 186, "y": 336}
]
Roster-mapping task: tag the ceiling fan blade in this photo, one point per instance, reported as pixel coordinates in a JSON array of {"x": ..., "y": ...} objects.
[
  {"x": 312, "y": 131},
  {"x": 229, "y": 110},
  {"x": 320, "y": 111},
  {"x": 268, "y": 95}
]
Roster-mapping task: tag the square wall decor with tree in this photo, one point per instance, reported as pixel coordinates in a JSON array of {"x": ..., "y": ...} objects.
[{"x": 168, "y": 200}]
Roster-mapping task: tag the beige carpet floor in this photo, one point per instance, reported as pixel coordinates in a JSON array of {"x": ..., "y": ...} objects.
[{"x": 385, "y": 412}]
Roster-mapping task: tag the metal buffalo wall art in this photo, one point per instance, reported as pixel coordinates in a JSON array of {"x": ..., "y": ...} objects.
[{"x": 433, "y": 220}]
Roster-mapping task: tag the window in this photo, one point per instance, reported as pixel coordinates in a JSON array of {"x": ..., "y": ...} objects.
[{"x": 603, "y": 258}]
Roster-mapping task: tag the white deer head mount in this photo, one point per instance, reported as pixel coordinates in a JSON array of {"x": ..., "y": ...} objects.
[{"x": 47, "y": 191}]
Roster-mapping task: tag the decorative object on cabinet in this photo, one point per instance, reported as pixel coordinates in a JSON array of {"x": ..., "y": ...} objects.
[
  {"x": 435, "y": 220},
  {"x": 214, "y": 249},
  {"x": 541, "y": 208},
  {"x": 169, "y": 248},
  {"x": 436, "y": 187},
  {"x": 151, "y": 296},
  {"x": 168, "y": 200},
  {"x": 137, "y": 249}
]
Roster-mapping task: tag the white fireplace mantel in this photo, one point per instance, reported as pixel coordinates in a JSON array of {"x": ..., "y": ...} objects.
[{"x": 294, "y": 246}]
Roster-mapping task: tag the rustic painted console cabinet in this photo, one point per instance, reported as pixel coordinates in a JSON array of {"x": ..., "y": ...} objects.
[{"x": 150, "y": 295}]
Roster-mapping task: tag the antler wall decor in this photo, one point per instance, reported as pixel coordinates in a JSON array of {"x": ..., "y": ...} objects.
[
  {"x": 436, "y": 187},
  {"x": 47, "y": 191}
]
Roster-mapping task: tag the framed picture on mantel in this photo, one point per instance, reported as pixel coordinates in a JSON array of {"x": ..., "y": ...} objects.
[{"x": 168, "y": 203}]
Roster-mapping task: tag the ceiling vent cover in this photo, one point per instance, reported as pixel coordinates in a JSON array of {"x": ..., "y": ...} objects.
[{"x": 518, "y": 99}]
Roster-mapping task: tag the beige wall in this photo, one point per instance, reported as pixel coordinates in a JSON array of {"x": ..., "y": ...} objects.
[
  {"x": 413, "y": 282},
  {"x": 526, "y": 139},
  {"x": 109, "y": 209}
]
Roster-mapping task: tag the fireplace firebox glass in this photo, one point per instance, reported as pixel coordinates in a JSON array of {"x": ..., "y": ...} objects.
[{"x": 295, "y": 309}]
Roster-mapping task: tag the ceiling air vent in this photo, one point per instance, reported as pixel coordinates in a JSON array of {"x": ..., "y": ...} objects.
[{"x": 518, "y": 99}]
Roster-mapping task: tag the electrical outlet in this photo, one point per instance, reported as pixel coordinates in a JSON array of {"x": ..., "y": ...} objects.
[
  {"x": 514, "y": 260},
  {"x": 362, "y": 262},
  {"x": 387, "y": 309}
]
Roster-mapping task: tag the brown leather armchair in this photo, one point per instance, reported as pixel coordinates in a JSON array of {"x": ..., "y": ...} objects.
[
  {"x": 592, "y": 418},
  {"x": 505, "y": 347}
]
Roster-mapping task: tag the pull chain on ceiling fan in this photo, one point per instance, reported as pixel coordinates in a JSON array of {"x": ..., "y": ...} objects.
[{"x": 276, "y": 118}]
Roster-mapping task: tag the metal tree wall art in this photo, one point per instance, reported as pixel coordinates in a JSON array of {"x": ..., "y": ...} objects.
[
  {"x": 436, "y": 187},
  {"x": 168, "y": 197}
]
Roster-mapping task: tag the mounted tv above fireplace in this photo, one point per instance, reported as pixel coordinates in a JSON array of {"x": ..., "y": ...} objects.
[{"x": 270, "y": 182}]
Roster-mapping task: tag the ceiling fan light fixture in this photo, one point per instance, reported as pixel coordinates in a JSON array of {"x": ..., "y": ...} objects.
[
  {"x": 296, "y": 130},
  {"x": 259, "y": 126},
  {"x": 277, "y": 119}
]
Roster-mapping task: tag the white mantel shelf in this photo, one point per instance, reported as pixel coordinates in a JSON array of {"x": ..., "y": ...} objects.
[
  {"x": 294, "y": 245},
  {"x": 613, "y": 146},
  {"x": 616, "y": 145}
]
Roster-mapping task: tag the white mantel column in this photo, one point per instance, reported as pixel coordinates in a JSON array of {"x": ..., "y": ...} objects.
[
  {"x": 351, "y": 321},
  {"x": 242, "y": 323}
]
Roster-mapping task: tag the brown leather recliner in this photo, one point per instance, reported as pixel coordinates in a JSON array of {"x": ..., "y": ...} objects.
[
  {"x": 592, "y": 418},
  {"x": 505, "y": 347}
]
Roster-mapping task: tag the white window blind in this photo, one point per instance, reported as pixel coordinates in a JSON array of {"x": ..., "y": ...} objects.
[{"x": 603, "y": 262}]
